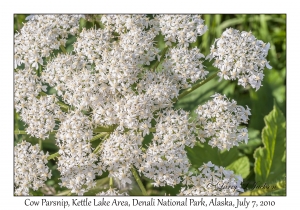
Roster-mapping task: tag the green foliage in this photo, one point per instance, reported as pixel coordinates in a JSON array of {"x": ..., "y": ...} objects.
[
  {"x": 230, "y": 159},
  {"x": 270, "y": 161},
  {"x": 272, "y": 29},
  {"x": 241, "y": 166}
]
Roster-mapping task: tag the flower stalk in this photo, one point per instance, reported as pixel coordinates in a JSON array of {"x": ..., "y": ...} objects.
[
  {"x": 161, "y": 58},
  {"x": 195, "y": 87},
  {"x": 138, "y": 180},
  {"x": 63, "y": 49}
]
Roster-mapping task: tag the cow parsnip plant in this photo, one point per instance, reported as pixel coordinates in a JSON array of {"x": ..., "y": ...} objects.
[{"x": 109, "y": 102}]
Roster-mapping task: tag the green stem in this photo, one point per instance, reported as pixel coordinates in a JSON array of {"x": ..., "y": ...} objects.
[
  {"x": 54, "y": 155},
  {"x": 105, "y": 129},
  {"x": 63, "y": 49},
  {"x": 19, "y": 132},
  {"x": 40, "y": 144},
  {"x": 98, "y": 136},
  {"x": 152, "y": 130},
  {"x": 66, "y": 192},
  {"x": 39, "y": 71},
  {"x": 111, "y": 182},
  {"x": 138, "y": 180},
  {"x": 188, "y": 91},
  {"x": 100, "y": 144},
  {"x": 161, "y": 58},
  {"x": 62, "y": 105}
]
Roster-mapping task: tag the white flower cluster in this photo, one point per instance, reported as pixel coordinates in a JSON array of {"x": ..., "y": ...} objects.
[
  {"x": 27, "y": 87},
  {"x": 42, "y": 34},
  {"x": 219, "y": 120},
  {"x": 181, "y": 28},
  {"x": 40, "y": 116},
  {"x": 239, "y": 55},
  {"x": 38, "y": 113},
  {"x": 186, "y": 65},
  {"x": 165, "y": 160},
  {"x": 119, "y": 153},
  {"x": 103, "y": 86},
  {"x": 72, "y": 79},
  {"x": 30, "y": 169},
  {"x": 212, "y": 181},
  {"x": 77, "y": 162},
  {"x": 38, "y": 38}
]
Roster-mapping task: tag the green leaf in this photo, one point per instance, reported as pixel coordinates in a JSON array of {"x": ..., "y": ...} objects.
[
  {"x": 240, "y": 166},
  {"x": 270, "y": 163},
  {"x": 200, "y": 154},
  {"x": 260, "y": 109}
]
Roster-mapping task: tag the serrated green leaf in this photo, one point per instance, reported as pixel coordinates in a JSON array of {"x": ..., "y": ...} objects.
[
  {"x": 270, "y": 162},
  {"x": 240, "y": 166}
]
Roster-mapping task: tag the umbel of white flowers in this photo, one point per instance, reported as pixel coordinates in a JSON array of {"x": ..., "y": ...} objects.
[
  {"x": 104, "y": 83},
  {"x": 239, "y": 55},
  {"x": 30, "y": 168}
]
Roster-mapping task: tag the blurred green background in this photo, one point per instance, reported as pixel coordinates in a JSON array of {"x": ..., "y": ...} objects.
[{"x": 266, "y": 27}]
